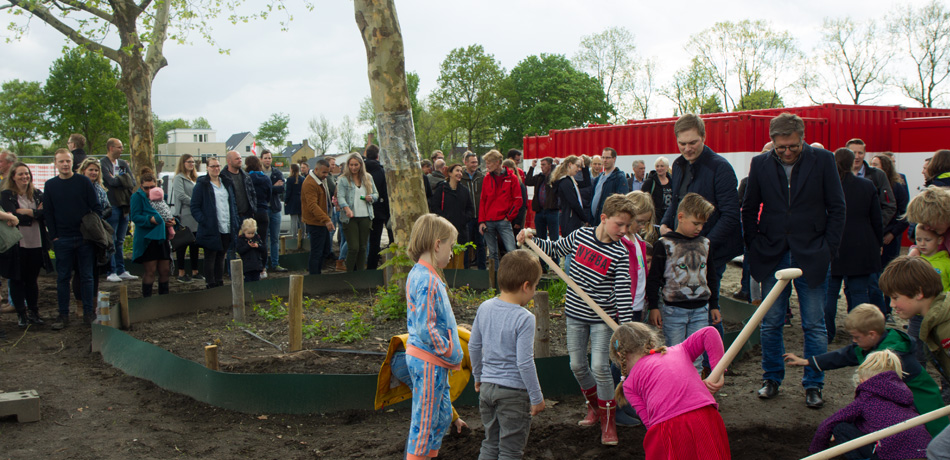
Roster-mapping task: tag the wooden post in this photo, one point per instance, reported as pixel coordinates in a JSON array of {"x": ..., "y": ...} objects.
[
  {"x": 283, "y": 245},
  {"x": 491, "y": 273},
  {"x": 295, "y": 315},
  {"x": 388, "y": 272},
  {"x": 237, "y": 290},
  {"x": 211, "y": 357},
  {"x": 124, "y": 306},
  {"x": 542, "y": 313},
  {"x": 300, "y": 239}
]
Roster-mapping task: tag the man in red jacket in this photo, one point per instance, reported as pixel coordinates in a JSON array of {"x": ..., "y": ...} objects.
[{"x": 498, "y": 205}]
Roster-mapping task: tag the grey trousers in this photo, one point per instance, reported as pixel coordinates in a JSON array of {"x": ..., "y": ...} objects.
[
  {"x": 506, "y": 416},
  {"x": 938, "y": 449}
]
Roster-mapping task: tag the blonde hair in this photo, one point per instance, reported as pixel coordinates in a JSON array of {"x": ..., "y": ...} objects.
[
  {"x": 930, "y": 207},
  {"x": 561, "y": 170},
  {"x": 428, "y": 229},
  {"x": 632, "y": 338},
  {"x": 694, "y": 205},
  {"x": 365, "y": 178},
  {"x": 643, "y": 203},
  {"x": 878, "y": 362},
  {"x": 248, "y": 224},
  {"x": 865, "y": 318},
  {"x": 493, "y": 156},
  {"x": 618, "y": 204},
  {"x": 510, "y": 164},
  {"x": 90, "y": 161}
]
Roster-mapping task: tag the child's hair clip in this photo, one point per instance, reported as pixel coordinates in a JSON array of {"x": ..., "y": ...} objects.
[
  {"x": 617, "y": 344},
  {"x": 653, "y": 351}
]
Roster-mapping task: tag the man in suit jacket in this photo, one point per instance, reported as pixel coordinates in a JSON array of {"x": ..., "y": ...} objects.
[{"x": 802, "y": 220}]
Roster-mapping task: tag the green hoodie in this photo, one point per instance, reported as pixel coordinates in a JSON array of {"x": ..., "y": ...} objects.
[{"x": 941, "y": 263}]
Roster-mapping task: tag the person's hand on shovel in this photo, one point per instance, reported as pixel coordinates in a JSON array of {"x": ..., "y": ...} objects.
[
  {"x": 526, "y": 233},
  {"x": 713, "y": 387},
  {"x": 793, "y": 360}
]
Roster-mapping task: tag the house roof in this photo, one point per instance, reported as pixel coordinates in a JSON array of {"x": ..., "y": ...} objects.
[
  {"x": 236, "y": 139},
  {"x": 290, "y": 150}
]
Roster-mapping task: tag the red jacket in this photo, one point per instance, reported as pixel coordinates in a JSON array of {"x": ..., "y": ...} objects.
[{"x": 501, "y": 197}]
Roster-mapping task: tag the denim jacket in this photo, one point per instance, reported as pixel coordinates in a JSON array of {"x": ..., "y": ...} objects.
[{"x": 346, "y": 193}]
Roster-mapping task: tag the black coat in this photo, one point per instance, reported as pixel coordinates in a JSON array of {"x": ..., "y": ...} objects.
[
  {"x": 277, "y": 192},
  {"x": 455, "y": 205},
  {"x": 252, "y": 259},
  {"x": 292, "y": 195},
  {"x": 10, "y": 260},
  {"x": 860, "y": 251},
  {"x": 898, "y": 223},
  {"x": 79, "y": 155},
  {"x": 805, "y": 217},
  {"x": 263, "y": 190},
  {"x": 205, "y": 212},
  {"x": 653, "y": 186},
  {"x": 539, "y": 181},
  {"x": 380, "y": 206},
  {"x": 573, "y": 215}
]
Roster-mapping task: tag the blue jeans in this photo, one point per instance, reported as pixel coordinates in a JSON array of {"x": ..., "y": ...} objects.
[
  {"x": 344, "y": 248},
  {"x": 811, "y": 304},
  {"x": 318, "y": 237},
  {"x": 855, "y": 293},
  {"x": 273, "y": 234},
  {"x": 479, "y": 240},
  {"x": 120, "y": 226},
  {"x": 876, "y": 296},
  {"x": 746, "y": 276},
  {"x": 499, "y": 230},
  {"x": 579, "y": 333},
  {"x": 69, "y": 250},
  {"x": 680, "y": 323},
  {"x": 545, "y": 222}
]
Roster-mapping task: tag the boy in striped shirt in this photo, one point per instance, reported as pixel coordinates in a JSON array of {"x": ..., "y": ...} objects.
[{"x": 600, "y": 266}]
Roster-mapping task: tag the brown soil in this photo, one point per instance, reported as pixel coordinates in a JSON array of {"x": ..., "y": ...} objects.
[{"x": 93, "y": 411}]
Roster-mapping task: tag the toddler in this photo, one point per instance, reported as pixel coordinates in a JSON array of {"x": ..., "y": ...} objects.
[
  {"x": 157, "y": 198},
  {"x": 252, "y": 250},
  {"x": 930, "y": 245}
]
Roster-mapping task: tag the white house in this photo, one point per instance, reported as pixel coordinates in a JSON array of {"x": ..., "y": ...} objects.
[
  {"x": 200, "y": 143},
  {"x": 242, "y": 143}
]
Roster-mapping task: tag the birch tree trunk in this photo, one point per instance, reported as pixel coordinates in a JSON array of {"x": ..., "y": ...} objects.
[{"x": 399, "y": 154}]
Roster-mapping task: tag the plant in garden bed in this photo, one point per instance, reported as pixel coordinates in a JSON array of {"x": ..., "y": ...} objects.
[
  {"x": 556, "y": 291},
  {"x": 390, "y": 302},
  {"x": 353, "y": 330},
  {"x": 276, "y": 309},
  {"x": 314, "y": 329}
]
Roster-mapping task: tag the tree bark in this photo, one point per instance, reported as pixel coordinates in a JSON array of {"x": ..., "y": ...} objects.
[{"x": 399, "y": 154}]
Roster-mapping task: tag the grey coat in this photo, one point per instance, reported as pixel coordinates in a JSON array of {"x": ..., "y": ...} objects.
[{"x": 182, "y": 187}]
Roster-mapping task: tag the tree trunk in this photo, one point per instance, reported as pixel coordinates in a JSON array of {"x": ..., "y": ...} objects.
[
  {"x": 136, "y": 83},
  {"x": 399, "y": 154}
]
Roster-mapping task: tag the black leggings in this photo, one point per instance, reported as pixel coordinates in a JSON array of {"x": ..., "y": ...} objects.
[
  {"x": 214, "y": 262},
  {"x": 180, "y": 257},
  {"x": 25, "y": 291}
]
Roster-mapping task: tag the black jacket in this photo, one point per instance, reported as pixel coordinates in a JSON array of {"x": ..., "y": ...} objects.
[
  {"x": 252, "y": 259},
  {"x": 539, "y": 182},
  {"x": 860, "y": 251},
  {"x": 203, "y": 208},
  {"x": 292, "y": 195},
  {"x": 110, "y": 177},
  {"x": 573, "y": 215},
  {"x": 898, "y": 223},
  {"x": 79, "y": 155},
  {"x": 805, "y": 216},
  {"x": 653, "y": 186},
  {"x": 380, "y": 206},
  {"x": 455, "y": 205},
  {"x": 10, "y": 260},
  {"x": 277, "y": 191},
  {"x": 886, "y": 197},
  {"x": 263, "y": 191}
]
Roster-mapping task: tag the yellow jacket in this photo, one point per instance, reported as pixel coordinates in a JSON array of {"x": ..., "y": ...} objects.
[{"x": 386, "y": 396}]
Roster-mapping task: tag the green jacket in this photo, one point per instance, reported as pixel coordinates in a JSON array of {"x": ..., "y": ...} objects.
[
  {"x": 941, "y": 263},
  {"x": 935, "y": 332}
]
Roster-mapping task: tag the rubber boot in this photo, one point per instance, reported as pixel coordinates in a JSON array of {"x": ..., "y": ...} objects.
[
  {"x": 593, "y": 413},
  {"x": 146, "y": 290},
  {"x": 162, "y": 288},
  {"x": 608, "y": 422},
  {"x": 22, "y": 321}
]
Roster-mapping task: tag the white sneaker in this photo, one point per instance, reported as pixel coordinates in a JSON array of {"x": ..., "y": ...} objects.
[
  {"x": 128, "y": 276},
  {"x": 113, "y": 278},
  {"x": 263, "y": 274}
]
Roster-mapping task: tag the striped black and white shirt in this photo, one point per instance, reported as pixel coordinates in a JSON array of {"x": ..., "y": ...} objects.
[{"x": 600, "y": 269}]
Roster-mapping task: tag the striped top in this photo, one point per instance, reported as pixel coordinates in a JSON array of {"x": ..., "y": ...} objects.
[
  {"x": 430, "y": 320},
  {"x": 602, "y": 270}
]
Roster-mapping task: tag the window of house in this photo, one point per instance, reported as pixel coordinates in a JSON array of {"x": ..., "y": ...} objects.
[{"x": 247, "y": 148}]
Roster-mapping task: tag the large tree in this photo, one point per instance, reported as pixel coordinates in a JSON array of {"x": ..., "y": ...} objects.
[
  {"x": 689, "y": 90},
  {"x": 546, "y": 92},
  {"x": 322, "y": 134},
  {"x": 468, "y": 89},
  {"x": 274, "y": 131},
  {"x": 22, "y": 114},
  {"x": 924, "y": 35},
  {"x": 348, "y": 139},
  {"x": 142, "y": 27},
  {"x": 83, "y": 98},
  {"x": 611, "y": 57},
  {"x": 850, "y": 64}
]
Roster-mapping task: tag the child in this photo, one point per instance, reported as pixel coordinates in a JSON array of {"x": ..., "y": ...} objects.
[
  {"x": 502, "y": 350},
  {"x": 915, "y": 289},
  {"x": 681, "y": 276},
  {"x": 931, "y": 249},
  {"x": 433, "y": 348},
  {"x": 880, "y": 400},
  {"x": 866, "y": 325},
  {"x": 636, "y": 246},
  {"x": 157, "y": 198},
  {"x": 252, "y": 250},
  {"x": 600, "y": 266},
  {"x": 662, "y": 385}
]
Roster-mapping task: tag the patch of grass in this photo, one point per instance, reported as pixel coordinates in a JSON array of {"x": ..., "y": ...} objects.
[{"x": 556, "y": 292}]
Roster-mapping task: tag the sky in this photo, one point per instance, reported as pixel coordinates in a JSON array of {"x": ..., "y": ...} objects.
[{"x": 318, "y": 66}]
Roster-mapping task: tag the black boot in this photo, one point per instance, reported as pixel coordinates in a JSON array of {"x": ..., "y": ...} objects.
[
  {"x": 162, "y": 288},
  {"x": 22, "y": 321},
  {"x": 34, "y": 317},
  {"x": 146, "y": 290}
]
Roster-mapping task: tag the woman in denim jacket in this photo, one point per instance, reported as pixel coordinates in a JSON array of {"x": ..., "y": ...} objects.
[{"x": 355, "y": 194}]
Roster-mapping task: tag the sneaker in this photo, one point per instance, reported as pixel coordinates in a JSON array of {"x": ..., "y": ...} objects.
[
  {"x": 128, "y": 276},
  {"x": 197, "y": 277},
  {"x": 113, "y": 278},
  {"x": 263, "y": 274},
  {"x": 61, "y": 322},
  {"x": 279, "y": 269},
  {"x": 184, "y": 278}
]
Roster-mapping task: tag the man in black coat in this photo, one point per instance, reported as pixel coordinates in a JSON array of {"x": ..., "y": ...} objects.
[
  {"x": 544, "y": 203},
  {"x": 380, "y": 206},
  {"x": 802, "y": 220}
]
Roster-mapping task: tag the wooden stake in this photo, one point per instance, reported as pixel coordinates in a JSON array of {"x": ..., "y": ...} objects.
[
  {"x": 542, "y": 325},
  {"x": 491, "y": 273},
  {"x": 300, "y": 239},
  {"x": 211, "y": 357},
  {"x": 295, "y": 315},
  {"x": 283, "y": 245},
  {"x": 124, "y": 307},
  {"x": 237, "y": 290},
  {"x": 783, "y": 277},
  {"x": 880, "y": 434}
]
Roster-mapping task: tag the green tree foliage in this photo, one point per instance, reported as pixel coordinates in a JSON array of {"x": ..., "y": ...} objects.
[
  {"x": 546, "y": 92},
  {"x": 348, "y": 139},
  {"x": 924, "y": 36},
  {"x": 162, "y": 127},
  {"x": 468, "y": 90},
  {"x": 761, "y": 99},
  {"x": 322, "y": 134},
  {"x": 83, "y": 98},
  {"x": 201, "y": 123},
  {"x": 22, "y": 115},
  {"x": 611, "y": 57},
  {"x": 689, "y": 91},
  {"x": 274, "y": 132}
]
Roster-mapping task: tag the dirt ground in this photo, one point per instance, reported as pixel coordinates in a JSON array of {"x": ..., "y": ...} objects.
[{"x": 93, "y": 411}]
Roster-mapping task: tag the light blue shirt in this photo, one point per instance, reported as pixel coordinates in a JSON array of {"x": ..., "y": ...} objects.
[
  {"x": 598, "y": 190},
  {"x": 222, "y": 206}
]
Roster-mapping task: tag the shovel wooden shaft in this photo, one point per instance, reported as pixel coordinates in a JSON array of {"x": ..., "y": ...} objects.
[
  {"x": 577, "y": 289},
  {"x": 783, "y": 277}
]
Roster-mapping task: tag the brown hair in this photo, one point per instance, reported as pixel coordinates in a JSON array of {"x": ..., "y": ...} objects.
[
  {"x": 9, "y": 183},
  {"x": 854, "y": 141},
  {"x": 939, "y": 163},
  {"x": 909, "y": 276},
  {"x": 78, "y": 140},
  {"x": 516, "y": 268},
  {"x": 688, "y": 122},
  {"x": 636, "y": 338},
  {"x": 844, "y": 159},
  {"x": 252, "y": 163},
  {"x": 180, "y": 167},
  {"x": 787, "y": 124},
  {"x": 510, "y": 164},
  {"x": 865, "y": 318},
  {"x": 694, "y": 205},
  {"x": 294, "y": 170},
  {"x": 930, "y": 207},
  {"x": 613, "y": 153},
  {"x": 887, "y": 165},
  {"x": 146, "y": 175},
  {"x": 618, "y": 204}
]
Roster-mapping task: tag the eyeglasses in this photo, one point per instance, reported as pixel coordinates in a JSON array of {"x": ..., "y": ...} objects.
[
  {"x": 148, "y": 188},
  {"x": 190, "y": 162},
  {"x": 791, "y": 148},
  {"x": 214, "y": 166}
]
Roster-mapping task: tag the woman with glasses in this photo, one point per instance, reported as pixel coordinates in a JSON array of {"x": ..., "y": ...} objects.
[
  {"x": 214, "y": 208},
  {"x": 183, "y": 184},
  {"x": 150, "y": 246}
]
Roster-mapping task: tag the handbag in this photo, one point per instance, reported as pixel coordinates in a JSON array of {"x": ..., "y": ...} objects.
[
  {"x": 9, "y": 236},
  {"x": 183, "y": 236}
]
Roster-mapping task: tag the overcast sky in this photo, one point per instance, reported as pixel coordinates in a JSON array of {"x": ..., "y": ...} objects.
[{"x": 319, "y": 65}]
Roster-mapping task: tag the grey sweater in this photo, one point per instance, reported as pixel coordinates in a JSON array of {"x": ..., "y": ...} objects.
[{"x": 502, "y": 347}]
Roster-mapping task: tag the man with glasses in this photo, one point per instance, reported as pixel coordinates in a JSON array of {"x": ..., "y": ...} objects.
[
  {"x": 801, "y": 224},
  {"x": 611, "y": 182},
  {"x": 120, "y": 182}
]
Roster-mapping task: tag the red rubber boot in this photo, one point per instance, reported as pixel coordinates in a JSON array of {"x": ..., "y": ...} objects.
[
  {"x": 608, "y": 422},
  {"x": 593, "y": 413}
]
